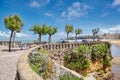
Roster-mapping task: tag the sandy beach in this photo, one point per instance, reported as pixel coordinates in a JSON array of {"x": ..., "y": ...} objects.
[
  {"x": 116, "y": 42},
  {"x": 116, "y": 60}
]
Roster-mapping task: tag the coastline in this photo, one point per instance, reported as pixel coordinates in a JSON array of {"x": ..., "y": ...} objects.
[
  {"x": 115, "y": 42},
  {"x": 116, "y": 59}
]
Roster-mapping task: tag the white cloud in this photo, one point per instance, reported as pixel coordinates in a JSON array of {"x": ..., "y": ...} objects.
[
  {"x": 62, "y": 35},
  {"x": 35, "y": 3},
  {"x": 38, "y": 3},
  {"x": 21, "y": 35},
  {"x": 4, "y": 34},
  {"x": 114, "y": 29},
  {"x": 48, "y": 14},
  {"x": 76, "y": 10},
  {"x": 116, "y": 3}
]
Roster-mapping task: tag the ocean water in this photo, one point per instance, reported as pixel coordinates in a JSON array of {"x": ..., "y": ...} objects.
[
  {"x": 27, "y": 41},
  {"x": 115, "y": 50}
]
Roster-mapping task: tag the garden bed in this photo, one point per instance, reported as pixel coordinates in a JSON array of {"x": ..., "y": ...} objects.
[{"x": 87, "y": 59}]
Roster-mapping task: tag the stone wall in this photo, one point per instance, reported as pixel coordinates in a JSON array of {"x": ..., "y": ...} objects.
[
  {"x": 60, "y": 70},
  {"x": 24, "y": 70},
  {"x": 7, "y": 42},
  {"x": 59, "y": 46}
]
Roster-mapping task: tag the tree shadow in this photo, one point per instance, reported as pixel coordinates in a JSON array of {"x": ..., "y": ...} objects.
[{"x": 12, "y": 50}]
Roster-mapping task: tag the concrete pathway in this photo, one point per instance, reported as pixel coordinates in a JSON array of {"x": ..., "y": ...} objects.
[{"x": 8, "y": 62}]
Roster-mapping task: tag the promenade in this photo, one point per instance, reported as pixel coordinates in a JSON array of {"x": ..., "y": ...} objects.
[{"x": 8, "y": 62}]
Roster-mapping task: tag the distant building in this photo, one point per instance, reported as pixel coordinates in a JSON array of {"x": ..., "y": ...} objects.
[{"x": 111, "y": 36}]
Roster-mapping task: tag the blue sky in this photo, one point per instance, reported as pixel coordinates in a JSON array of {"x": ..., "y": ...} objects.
[{"x": 85, "y": 14}]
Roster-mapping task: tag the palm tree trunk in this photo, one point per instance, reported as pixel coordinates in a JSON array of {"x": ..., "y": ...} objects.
[
  {"x": 93, "y": 37},
  {"x": 13, "y": 39},
  {"x": 49, "y": 39},
  {"x": 76, "y": 38},
  {"x": 39, "y": 38},
  {"x": 10, "y": 40},
  {"x": 67, "y": 36}
]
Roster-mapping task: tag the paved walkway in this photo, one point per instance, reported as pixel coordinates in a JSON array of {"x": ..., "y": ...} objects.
[{"x": 8, "y": 62}]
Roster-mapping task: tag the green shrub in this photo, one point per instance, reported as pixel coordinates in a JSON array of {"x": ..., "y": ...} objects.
[
  {"x": 83, "y": 49},
  {"x": 67, "y": 57},
  {"x": 86, "y": 63},
  {"x": 34, "y": 68},
  {"x": 80, "y": 59},
  {"x": 41, "y": 64},
  {"x": 84, "y": 55},
  {"x": 71, "y": 65},
  {"x": 99, "y": 50},
  {"x": 69, "y": 77},
  {"x": 106, "y": 61},
  {"x": 79, "y": 65}
]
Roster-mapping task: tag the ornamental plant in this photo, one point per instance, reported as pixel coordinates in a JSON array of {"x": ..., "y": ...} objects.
[
  {"x": 79, "y": 59},
  {"x": 106, "y": 61},
  {"x": 41, "y": 64},
  {"x": 83, "y": 56},
  {"x": 98, "y": 51}
]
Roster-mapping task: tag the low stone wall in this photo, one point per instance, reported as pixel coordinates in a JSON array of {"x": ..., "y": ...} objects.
[
  {"x": 60, "y": 70},
  {"x": 59, "y": 46},
  {"x": 23, "y": 68},
  {"x": 7, "y": 42}
]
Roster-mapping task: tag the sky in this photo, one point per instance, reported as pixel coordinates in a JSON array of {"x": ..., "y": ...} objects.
[{"x": 84, "y": 14}]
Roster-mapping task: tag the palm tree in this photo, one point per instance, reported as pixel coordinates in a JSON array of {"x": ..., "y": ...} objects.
[
  {"x": 78, "y": 31},
  {"x": 40, "y": 30},
  {"x": 37, "y": 30},
  {"x": 13, "y": 23},
  {"x": 18, "y": 31},
  {"x": 68, "y": 29},
  {"x": 95, "y": 32},
  {"x": 44, "y": 29},
  {"x": 51, "y": 31}
]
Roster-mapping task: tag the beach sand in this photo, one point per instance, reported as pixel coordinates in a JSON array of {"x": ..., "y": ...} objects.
[
  {"x": 116, "y": 42},
  {"x": 116, "y": 60}
]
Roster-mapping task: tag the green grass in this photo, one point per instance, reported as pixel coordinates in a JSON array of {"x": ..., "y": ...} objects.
[{"x": 34, "y": 68}]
